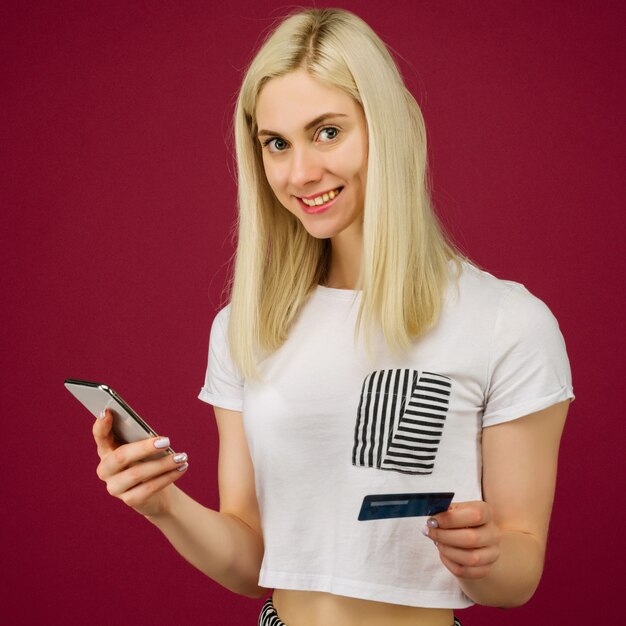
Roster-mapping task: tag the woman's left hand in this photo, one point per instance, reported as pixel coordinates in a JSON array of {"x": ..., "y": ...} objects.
[{"x": 467, "y": 538}]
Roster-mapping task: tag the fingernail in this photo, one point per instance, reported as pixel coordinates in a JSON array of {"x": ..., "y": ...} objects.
[
  {"x": 162, "y": 442},
  {"x": 180, "y": 458},
  {"x": 182, "y": 468},
  {"x": 432, "y": 523},
  {"x": 425, "y": 531},
  {"x": 102, "y": 414}
]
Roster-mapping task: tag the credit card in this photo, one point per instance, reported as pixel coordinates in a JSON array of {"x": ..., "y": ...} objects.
[{"x": 385, "y": 506}]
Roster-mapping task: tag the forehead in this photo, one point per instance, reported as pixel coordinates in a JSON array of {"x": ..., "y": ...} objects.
[{"x": 289, "y": 102}]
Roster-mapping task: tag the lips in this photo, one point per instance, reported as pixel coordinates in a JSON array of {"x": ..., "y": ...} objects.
[
  {"x": 321, "y": 197},
  {"x": 313, "y": 207}
]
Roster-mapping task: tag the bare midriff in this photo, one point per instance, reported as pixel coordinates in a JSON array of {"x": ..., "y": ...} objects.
[{"x": 315, "y": 608}]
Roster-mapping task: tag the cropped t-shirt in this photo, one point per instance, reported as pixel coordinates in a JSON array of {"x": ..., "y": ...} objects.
[{"x": 327, "y": 426}]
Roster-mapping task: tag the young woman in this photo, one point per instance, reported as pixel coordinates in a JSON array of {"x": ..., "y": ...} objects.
[{"x": 360, "y": 354}]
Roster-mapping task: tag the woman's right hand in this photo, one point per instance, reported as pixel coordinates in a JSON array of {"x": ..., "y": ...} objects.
[{"x": 141, "y": 485}]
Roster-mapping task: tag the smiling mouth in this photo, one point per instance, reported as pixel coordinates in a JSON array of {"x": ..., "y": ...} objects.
[{"x": 322, "y": 199}]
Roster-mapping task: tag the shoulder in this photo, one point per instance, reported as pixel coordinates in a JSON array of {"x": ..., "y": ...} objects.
[
  {"x": 501, "y": 316},
  {"x": 523, "y": 350},
  {"x": 218, "y": 341},
  {"x": 223, "y": 382},
  {"x": 483, "y": 292},
  {"x": 473, "y": 280},
  {"x": 223, "y": 315},
  {"x": 219, "y": 327}
]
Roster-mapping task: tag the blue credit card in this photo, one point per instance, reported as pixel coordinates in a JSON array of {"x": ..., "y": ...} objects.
[{"x": 385, "y": 506}]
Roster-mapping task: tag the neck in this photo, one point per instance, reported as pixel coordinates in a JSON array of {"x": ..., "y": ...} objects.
[{"x": 345, "y": 260}]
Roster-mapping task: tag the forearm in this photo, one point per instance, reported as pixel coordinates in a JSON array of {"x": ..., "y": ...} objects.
[
  {"x": 221, "y": 546},
  {"x": 513, "y": 577}
]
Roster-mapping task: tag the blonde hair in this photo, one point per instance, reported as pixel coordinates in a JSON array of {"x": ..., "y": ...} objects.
[{"x": 404, "y": 268}]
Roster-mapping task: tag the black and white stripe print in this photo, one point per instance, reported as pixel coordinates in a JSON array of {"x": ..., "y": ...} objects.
[
  {"x": 268, "y": 616},
  {"x": 400, "y": 420}
]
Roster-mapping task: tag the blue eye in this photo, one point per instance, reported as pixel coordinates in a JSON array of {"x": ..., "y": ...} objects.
[
  {"x": 330, "y": 130},
  {"x": 279, "y": 144}
]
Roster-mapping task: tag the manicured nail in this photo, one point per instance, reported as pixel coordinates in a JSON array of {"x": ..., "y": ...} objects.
[
  {"x": 162, "y": 442},
  {"x": 432, "y": 523},
  {"x": 180, "y": 458},
  {"x": 182, "y": 468},
  {"x": 102, "y": 414},
  {"x": 425, "y": 531}
]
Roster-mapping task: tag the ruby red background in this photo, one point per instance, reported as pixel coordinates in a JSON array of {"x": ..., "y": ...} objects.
[{"x": 118, "y": 196}]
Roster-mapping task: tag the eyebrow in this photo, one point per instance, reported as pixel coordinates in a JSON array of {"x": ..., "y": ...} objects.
[{"x": 311, "y": 124}]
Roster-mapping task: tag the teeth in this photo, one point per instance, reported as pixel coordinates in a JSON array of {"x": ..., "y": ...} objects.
[{"x": 323, "y": 199}]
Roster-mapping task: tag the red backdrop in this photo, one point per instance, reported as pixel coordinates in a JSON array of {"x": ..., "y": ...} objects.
[{"x": 117, "y": 202}]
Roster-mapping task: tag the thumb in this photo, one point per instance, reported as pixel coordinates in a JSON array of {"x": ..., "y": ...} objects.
[{"x": 103, "y": 433}]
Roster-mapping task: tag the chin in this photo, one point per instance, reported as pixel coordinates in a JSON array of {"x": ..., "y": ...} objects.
[
  {"x": 321, "y": 231},
  {"x": 319, "y": 234}
]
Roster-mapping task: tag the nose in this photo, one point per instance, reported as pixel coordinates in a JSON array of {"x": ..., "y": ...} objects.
[{"x": 305, "y": 168}]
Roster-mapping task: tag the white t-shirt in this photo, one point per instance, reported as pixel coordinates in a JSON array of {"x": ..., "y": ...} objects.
[{"x": 327, "y": 427}]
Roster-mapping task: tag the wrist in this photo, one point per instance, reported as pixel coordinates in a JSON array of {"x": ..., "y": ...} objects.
[
  {"x": 515, "y": 575},
  {"x": 167, "y": 506}
]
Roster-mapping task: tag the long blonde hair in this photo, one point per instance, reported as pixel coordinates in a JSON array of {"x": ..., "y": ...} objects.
[{"x": 404, "y": 268}]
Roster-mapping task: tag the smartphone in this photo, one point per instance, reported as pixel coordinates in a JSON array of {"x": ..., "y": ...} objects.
[
  {"x": 385, "y": 506},
  {"x": 128, "y": 427}
]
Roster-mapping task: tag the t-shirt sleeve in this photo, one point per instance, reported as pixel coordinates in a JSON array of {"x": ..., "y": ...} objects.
[
  {"x": 223, "y": 384},
  {"x": 529, "y": 369}
]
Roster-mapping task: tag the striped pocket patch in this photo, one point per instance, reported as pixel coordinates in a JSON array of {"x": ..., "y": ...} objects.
[{"x": 400, "y": 420}]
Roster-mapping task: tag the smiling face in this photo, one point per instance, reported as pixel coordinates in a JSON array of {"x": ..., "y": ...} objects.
[{"x": 314, "y": 140}]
